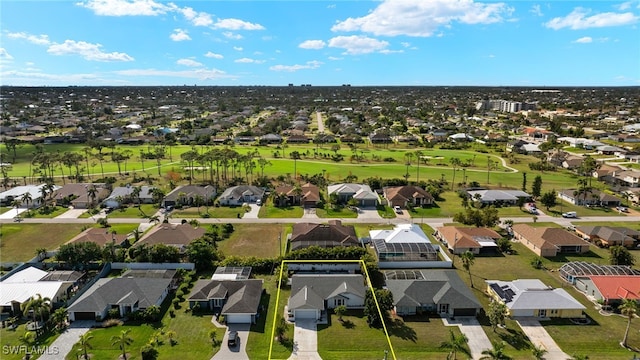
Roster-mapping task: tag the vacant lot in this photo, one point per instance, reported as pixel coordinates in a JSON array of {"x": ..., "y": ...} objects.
[
  {"x": 20, "y": 241},
  {"x": 260, "y": 240}
]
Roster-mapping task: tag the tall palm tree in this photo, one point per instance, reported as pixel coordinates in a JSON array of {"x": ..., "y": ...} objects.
[
  {"x": 84, "y": 344},
  {"x": 628, "y": 308},
  {"x": 455, "y": 162},
  {"x": 16, "y": 203},
  {"x": 26, "y": 198},
  {"x": 467, "y": 262},
  {"x": 456, "y": 344},
  {"x": 418, "y": 155},
  {"x": 497, "y": 353},
  {"x": 59, "y": 318},
  {"x": 38, "y": 305},
  {"x": 122, "y": 341},
  {"x": 92, "y": 193}
]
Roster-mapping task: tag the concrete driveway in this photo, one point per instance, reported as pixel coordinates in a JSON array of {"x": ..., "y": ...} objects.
[
  {"x": 541, "y": 338},
  {"x": 253, "y": 214},
  {"x": 305, "y": 340},
  {"x": 369, "y": 214},
  {"x": 71, "y": 214},
  {"x": 64, "y": 343},
  {"x": 12, "y": 213},
  {"x": 240, "y": 351},
  {"x": 309, "y": 213},
  {"x": 471, "y": 328}
]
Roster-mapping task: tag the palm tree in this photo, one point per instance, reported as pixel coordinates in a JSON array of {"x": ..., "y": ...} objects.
[
  {"x": 41, "y": 253},
  {"x": 91, "y": 193},
  {"x": 467, "y": 261},
  {"x": 497, "y": 353},
  {"x": 213, "y": 336},
  {"x": 340, "y": 311},
  {"x": 628, "y": 308},
  {"x": 455, "y": 162},
  {"x": 135, "y": 194},
  {"x": 456, "y": 344},
  {"x": 295, "y": 155},
  {"x": 16, "y": 204},
  {"x": 418, "y": 155},
  {"x": 84, "y": 344},
  {"x": 26, "y": 198},
  {"x": 122, "y": 341},
  {"x": 538, "y": 352},
  {"x": 28, "y": 340},
  {"x": 38, "y": 305},
  {"x": 59, "y": 318}
]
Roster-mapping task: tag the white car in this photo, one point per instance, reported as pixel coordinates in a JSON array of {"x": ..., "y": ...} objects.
[
  {"x": 570, "y": 214},
  {"x": 258, "y": 202},
  {"x": 397, "y": 209}
]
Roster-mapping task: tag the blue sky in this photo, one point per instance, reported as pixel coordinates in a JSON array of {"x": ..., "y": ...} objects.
[{"x": 388, "y": 42}]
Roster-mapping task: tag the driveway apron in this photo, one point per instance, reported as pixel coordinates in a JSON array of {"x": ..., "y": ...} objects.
[
  {"x": 541, "y": 338},
  {"x": 305, "y": 341},
  {"x": 64, "y": 343},
  {"x": 239, "y": 352}
]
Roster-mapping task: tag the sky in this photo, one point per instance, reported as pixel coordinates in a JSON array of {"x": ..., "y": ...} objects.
[{"x": 322, "y": 43}]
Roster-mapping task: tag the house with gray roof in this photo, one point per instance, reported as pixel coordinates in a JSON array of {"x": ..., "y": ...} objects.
[
  {"x": 532, "y": 298},
  {"x": 499, "y": 196},
  {"x": 123, "y": 195},
  {"x": 439, "y": 291},
  {"x": 313, "y": 294},
  {"x": 188, "y": 195},
  {"x": 125, "y": 294},
  {"x": 361, "y": 192},
  {"x": 323, "y": 235},
  {"x": 236, "y": 300},
  {"x": 238, "y": 195}
]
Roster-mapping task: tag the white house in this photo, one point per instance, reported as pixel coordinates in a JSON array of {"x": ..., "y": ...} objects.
[{"x": 16, "y": 193}]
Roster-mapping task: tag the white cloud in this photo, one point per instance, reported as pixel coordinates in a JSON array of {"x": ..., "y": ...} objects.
[
  {"x": 34, "y": 39},
  {"x": 422, "y": 18},
  {"x": 405, "y": 44},
  {"x": 200, "y": 74},
  {"x": 126, "y": 7},
  {"x": 355, "y": 44},
  {"x": 237, "y": 48},
  {"x": 584, "y": 40},
  {"x": 180, "y": 35},
  {"x": 88, "y": 51},
  {"x": 4, "y": 55},
  {"x": 333, "y": 58},
  {"x": 291, "y": 68},
  {"x": 66, "y": 78},
  {"x": 232, "y": 36},
  {"x": 248, "y": 61},
  {"x": 536, "y": 10},
  {"x": 624, "y": 6},
  {"x": 212, "y": 55},
  {"x": 579, "y": 19},
  {"x": 236, "y": 24},
  {"x": 197, "y": 18},
  {"x": 189, "y": 62},
  {"x": 312, "y": 44}
]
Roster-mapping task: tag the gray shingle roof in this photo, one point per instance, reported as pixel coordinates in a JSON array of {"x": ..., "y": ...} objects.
[
  {"x": 111, "y": 291},
  {"x": 243, "y": 296},
  {"x": 308, "y": 291}
]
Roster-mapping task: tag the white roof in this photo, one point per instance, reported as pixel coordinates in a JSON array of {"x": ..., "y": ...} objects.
[
  {"x": 534, "y": 294},
  {"x": 22, "y": 292},
  {"x": 402, "y": 233},
  {"x": 30, "y": 274},
  {"x": 224, "y": 277},
  {"x": 18, "y": 191}
]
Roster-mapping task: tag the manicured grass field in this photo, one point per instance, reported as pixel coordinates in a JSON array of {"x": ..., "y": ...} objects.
[
  {"x": 268, "y": 210},
  {"x": 337, "y": 213},
  {"x": 260, "y": 240},
  {"x": 132, "y": 211},
  {"x": 20, "y": 241},
  {"x": 35, "y": 213},
  {"x": 101, "y": 344},
  {"x": 222, "y": 212}
]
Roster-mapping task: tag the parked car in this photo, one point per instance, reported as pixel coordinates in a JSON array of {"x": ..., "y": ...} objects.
[
  {"x": 570, "y": 214},
  {"x": 233, "y": 338},
  {"x": 622, "y": 209},
  {"x": 397, "y": 209},
  {"x": 258, "y": 202}
]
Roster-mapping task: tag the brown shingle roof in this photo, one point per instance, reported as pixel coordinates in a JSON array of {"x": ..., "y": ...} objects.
[
  {"x": 100, "y": 236},
  {"x": 462, "y": 237},
  {"x": 545, "y": 238},
  {"x": 172, "y": 234},
  {"x": 405, "y": 192},
  {"x": 325, "y": 235}
]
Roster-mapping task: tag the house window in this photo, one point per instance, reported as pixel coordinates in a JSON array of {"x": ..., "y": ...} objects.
[
  {"x": 218, "y": 302},
  {"x": 554, "y": 312},
  {"x": 339, "y": 302}
]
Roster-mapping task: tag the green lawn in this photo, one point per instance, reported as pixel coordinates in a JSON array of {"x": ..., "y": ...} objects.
[
  {"x": 20, "y": 241},
  {"x": 260, "y": 240},
  {"x": 387, "y": 213},
  {"x": 222, "y": 212},
  {"x": 270, "y": 211},
  {"x": 10, "y": 338},
  {"x": 337, "y": 213},
  {"x": 38, "y": 213},
  {"x": 133, "y": 211},
  {"x": 101, "y": 344},
  {"x": 260, "y": 339}
]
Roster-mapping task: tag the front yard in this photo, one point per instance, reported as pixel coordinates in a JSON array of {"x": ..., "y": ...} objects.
[
  {"x": 222, "y": 212},
  {"x": 10, "y": 338},
  {"x": 19, "y": 241},
  {"x": 259, "y": 240}
]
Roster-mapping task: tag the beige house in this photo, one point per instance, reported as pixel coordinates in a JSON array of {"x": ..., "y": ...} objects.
[{"x": 549, "y": 242}]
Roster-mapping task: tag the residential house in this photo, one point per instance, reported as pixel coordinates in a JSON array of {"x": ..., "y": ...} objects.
[
  {"x": 79, "y": 195},
  {"x": 125, "y": 294},
  {"x": 498, "y": 196},
  {"x": 516, "y": 146},
  {"x": 328, "y": 235},
  {"x": 408, "y": 194},
  {"x": 99, "y": 236},
  {"x": 549, "y": 242},
  {"x": 241, "y": 194},
  {"x": 588, "y": 197},
  {"x": 20, "y": 287},
  {"x": 313, "y": 294},
  {"x": 236, "y": 300},
  {"x": 461, "y": 239},
  {"x": 532, "y": 298},
  {"x": 572, "y": 162},
  {"x": 124, "y": 195},
  {"x": 307, "y": 195},
  {"x": 361, "y": 192},
  {"x": 189, "y": 195},
  {"x": 537, "y": 133},
  {"x": 271, "y": 139},
  {"x": 606, "y": 170},
  {"x": 609, "y": 236},
  {"x": 177, "y": 235},
  {"x": 431, "y": 291},
  {"x": 16, "y": 193},
  {"x": 380, "y": 138},
  {"x": 610, "y": 150},
  {"x": 406, "y": 246},
  {"x": 627, "y": 178}
]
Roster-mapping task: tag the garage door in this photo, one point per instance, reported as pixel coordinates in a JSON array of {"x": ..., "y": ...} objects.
[
  {"x": 305, "y": 314},
  {"x": 84, "y": 315},
  {"x": 464, "y": 312},
  {"x": 238, "y": 318}
]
